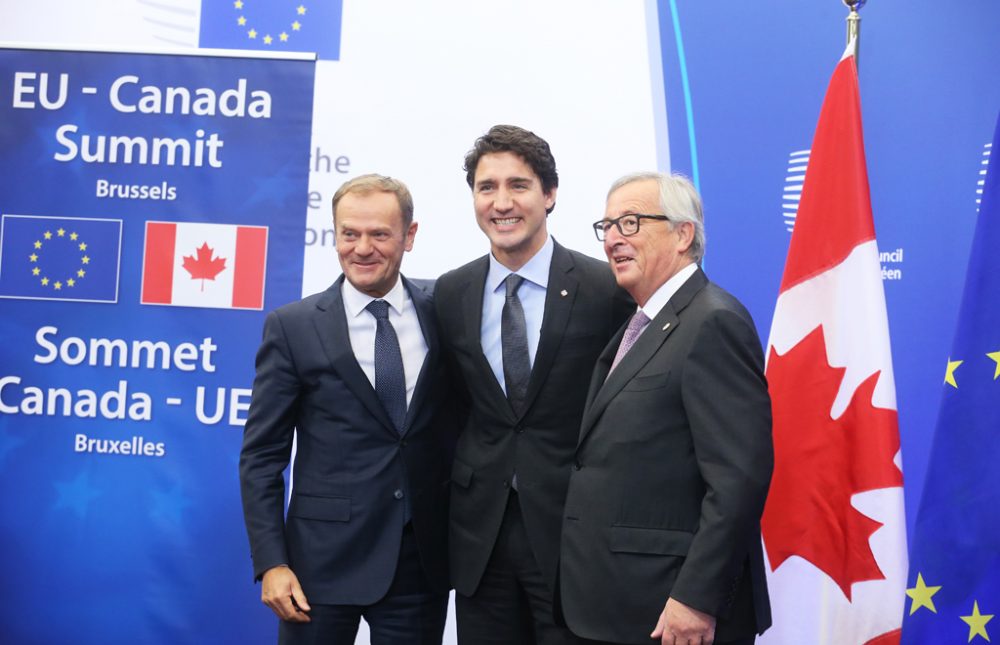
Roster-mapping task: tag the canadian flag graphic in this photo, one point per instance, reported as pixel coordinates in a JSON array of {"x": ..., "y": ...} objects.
[
  {"x": 204, "y": 265},
  {"x": 833, "y": 526}
]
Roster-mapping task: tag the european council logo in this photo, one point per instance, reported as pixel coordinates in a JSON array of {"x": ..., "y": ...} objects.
[
  {"x": 59, "y": 258},
  {"x": 273, "y": 25}
]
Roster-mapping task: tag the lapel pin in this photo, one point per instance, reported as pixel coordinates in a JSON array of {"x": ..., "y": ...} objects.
[
  {"x": 666, "y": 327},
  {"x": 564, "y": 293}
]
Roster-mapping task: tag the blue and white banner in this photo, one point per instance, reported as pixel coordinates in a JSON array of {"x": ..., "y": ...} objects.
[{"x": 152, "y": 207}]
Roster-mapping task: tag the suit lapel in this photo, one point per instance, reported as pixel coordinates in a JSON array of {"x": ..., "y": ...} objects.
[
  {"x": 331, "y": 326},
  {"x": 655, "y": 335},
  {"x": 425, "y": 314},
  {"x": 472, "y": 315},
  {"x": 559, "y": 296}
]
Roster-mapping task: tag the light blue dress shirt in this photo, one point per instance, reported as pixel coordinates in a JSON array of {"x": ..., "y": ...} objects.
[{"x": 532, "y": 296}]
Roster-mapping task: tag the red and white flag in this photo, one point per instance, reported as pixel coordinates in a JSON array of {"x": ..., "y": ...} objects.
[
  {"x": 204, "y": 265},
  {"x": 833, "y": 526}
]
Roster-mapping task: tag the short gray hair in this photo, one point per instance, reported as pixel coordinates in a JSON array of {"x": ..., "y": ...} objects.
[
  {"x": 372, "y": 183},
  {"x": 679, "y": 201}
]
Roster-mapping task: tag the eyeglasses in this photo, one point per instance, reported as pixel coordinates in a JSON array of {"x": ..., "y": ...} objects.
[{"x": 626, "y": 224}]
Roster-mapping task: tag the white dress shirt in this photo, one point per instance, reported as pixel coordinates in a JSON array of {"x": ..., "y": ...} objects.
[
  {"x": 666, "y": 291},
  {"x": 403, "y": 316},
  {"x": 532, "y": 296}
]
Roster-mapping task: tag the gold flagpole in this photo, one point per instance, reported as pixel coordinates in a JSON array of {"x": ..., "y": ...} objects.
[{"x": 854, "y": 25}]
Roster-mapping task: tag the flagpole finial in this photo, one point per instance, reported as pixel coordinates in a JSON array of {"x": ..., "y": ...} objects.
[{"x": 854, "y": 25}]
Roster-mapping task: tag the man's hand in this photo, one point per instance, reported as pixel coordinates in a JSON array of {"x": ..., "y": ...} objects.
[
  {"x": 683, "y": 625},
  {"x": 280, "y": 590}
]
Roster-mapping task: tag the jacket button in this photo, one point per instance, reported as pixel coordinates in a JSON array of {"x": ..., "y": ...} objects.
[
  {"x": 398, "y": 494},
  {"x": 506, "y": 484},
  {"x": 577, "y": 465}
]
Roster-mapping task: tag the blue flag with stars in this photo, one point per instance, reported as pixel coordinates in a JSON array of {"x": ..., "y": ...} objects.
[
  {"x": 954, "y": 581},
  {"x": 273, "y": 26},
  {"x": 52, "y": 258}
]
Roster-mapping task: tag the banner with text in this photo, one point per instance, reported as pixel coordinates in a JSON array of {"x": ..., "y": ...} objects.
[{"x": 152, "y": 208}]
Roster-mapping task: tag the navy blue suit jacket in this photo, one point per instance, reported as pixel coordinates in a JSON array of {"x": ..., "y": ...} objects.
[{"x": 354, "y": 474}]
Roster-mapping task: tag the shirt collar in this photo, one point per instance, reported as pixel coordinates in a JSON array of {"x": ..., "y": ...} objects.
[
  {"x": 667, "y": 290},
  {"x": 355, "y": 301},
  {"x": 536, "y": 269}
]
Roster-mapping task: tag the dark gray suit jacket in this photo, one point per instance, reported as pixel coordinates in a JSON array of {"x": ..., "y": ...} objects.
[
  {"x": 583, "y": 308},
  {"x": 354, "y": 472},
  {"x": 670, "y": 476}
]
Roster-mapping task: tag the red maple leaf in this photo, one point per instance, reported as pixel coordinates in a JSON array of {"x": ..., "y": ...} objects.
[
  {"x": 821, "y": 462},
  {"x": 204, "y": 268}
]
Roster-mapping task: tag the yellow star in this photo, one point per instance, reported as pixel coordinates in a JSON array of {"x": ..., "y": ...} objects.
[
  {"x": 38, "y": 243},
  {"x": 57, "y": 285},
  {"x": 268, "y": 40},
  {"x": 949, "y": 374},
  {"x": 296, "y": 25},
  {"x": 85, "y": 260},
  {"x": 48, "y": 235},
  {"x": 33, "y": 257},
  {"x": 73, "y": 236},
  {"x": 36, "y": 271},
  {"x": 71, "y": 282},
  {"x": 61, "y": 232},
  {"x": 81, "y": 273},
  {"x": 995, "y": 356},
  {"x": 238, "y": 4},
  {"x": 241, "y": 21},
  {"x": 252, "y": 33},
  {"x": 83, "y": 246},
  {"x": 45, "y": 282},
  {"x": 283, "y": 37},
  {"x": 921, "y": 595},
  {"x": 301, "y": 10},
  {"x": 977, "y": 622}
]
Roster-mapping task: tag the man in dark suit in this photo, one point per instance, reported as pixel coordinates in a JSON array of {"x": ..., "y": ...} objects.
[
  {"x": 522, "y": 327},
  {"x": 354, "y": 373},
  {"x": 661, "y": 534}
]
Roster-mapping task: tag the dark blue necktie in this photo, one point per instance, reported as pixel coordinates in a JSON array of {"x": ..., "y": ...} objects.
[
  {"x": 514, "y": 343},
  {"x": 390, "y": 382}
]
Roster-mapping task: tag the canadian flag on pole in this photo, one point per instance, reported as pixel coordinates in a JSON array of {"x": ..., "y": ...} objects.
[
  {"x": 204, "y": 265},
  {"x": 833, "y": 526}
]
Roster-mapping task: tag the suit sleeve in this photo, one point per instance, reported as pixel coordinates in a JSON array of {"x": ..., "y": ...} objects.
[
  {"x": 267, "y": 445},
  {"x": 729, "y": 411}
]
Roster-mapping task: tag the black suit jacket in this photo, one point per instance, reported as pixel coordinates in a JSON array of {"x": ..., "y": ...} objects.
[
  {"x": 583, "y": 308},
  {"x": 354, "y": 472},
  {"x": 670, "y": 476}
]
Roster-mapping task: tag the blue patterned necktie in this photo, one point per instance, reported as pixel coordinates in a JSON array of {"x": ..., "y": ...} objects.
[
  {"x": 390, "y": 381},
  {"x": 636, "y": 324},
  {"x": 514, "y": 345}
]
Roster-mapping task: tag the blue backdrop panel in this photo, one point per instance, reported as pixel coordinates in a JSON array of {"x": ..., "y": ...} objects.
[
  {"x": 744, "y": 83},
  {"x": 120, "y": 423}
]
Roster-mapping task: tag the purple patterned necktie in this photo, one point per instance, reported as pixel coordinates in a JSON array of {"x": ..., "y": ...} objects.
[{"x": 636, "y": 324}]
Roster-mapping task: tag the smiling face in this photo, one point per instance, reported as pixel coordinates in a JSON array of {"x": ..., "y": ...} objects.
[
  {"x": 371, "y": 240},
  {"x": 644, "y": 261},
  {"x": 511, "y": 207}
]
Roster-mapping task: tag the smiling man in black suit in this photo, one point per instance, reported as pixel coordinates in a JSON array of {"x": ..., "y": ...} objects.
[
  {"x": 522, "y": 327},
  {"x": 661, "y": 536}
]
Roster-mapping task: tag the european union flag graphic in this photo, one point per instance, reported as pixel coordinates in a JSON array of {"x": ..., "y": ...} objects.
[
  {"x": 954, "y": 582},
  {"x": 273, "y": 25},
  {"x": 59, "y": 258}
]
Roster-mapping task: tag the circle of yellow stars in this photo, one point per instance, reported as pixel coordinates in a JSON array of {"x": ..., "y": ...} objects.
[
  {"x": 950, "y": 377},
  {"x": 58, "y": 284},
  {"x": 922, "y": 594},
  {"x": 268, "y": 39}
]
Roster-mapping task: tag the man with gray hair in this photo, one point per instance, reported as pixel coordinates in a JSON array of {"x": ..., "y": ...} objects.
[{"x": 661, "y": 529}]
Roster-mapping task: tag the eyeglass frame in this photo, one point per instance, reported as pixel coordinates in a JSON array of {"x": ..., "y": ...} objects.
[{"x": 602, "y": 226}]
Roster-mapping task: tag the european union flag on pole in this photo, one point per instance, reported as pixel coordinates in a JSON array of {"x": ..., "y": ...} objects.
[
  {"x": 59, "y": 258},
  {"x": 273, "y": 25},
  {"x": 954, "y": 581}
]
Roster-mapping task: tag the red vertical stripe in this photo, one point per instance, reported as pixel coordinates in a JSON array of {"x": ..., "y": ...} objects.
[
  {"x": 158, "y": 263},
  {"x": 248, "y": 273}
]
